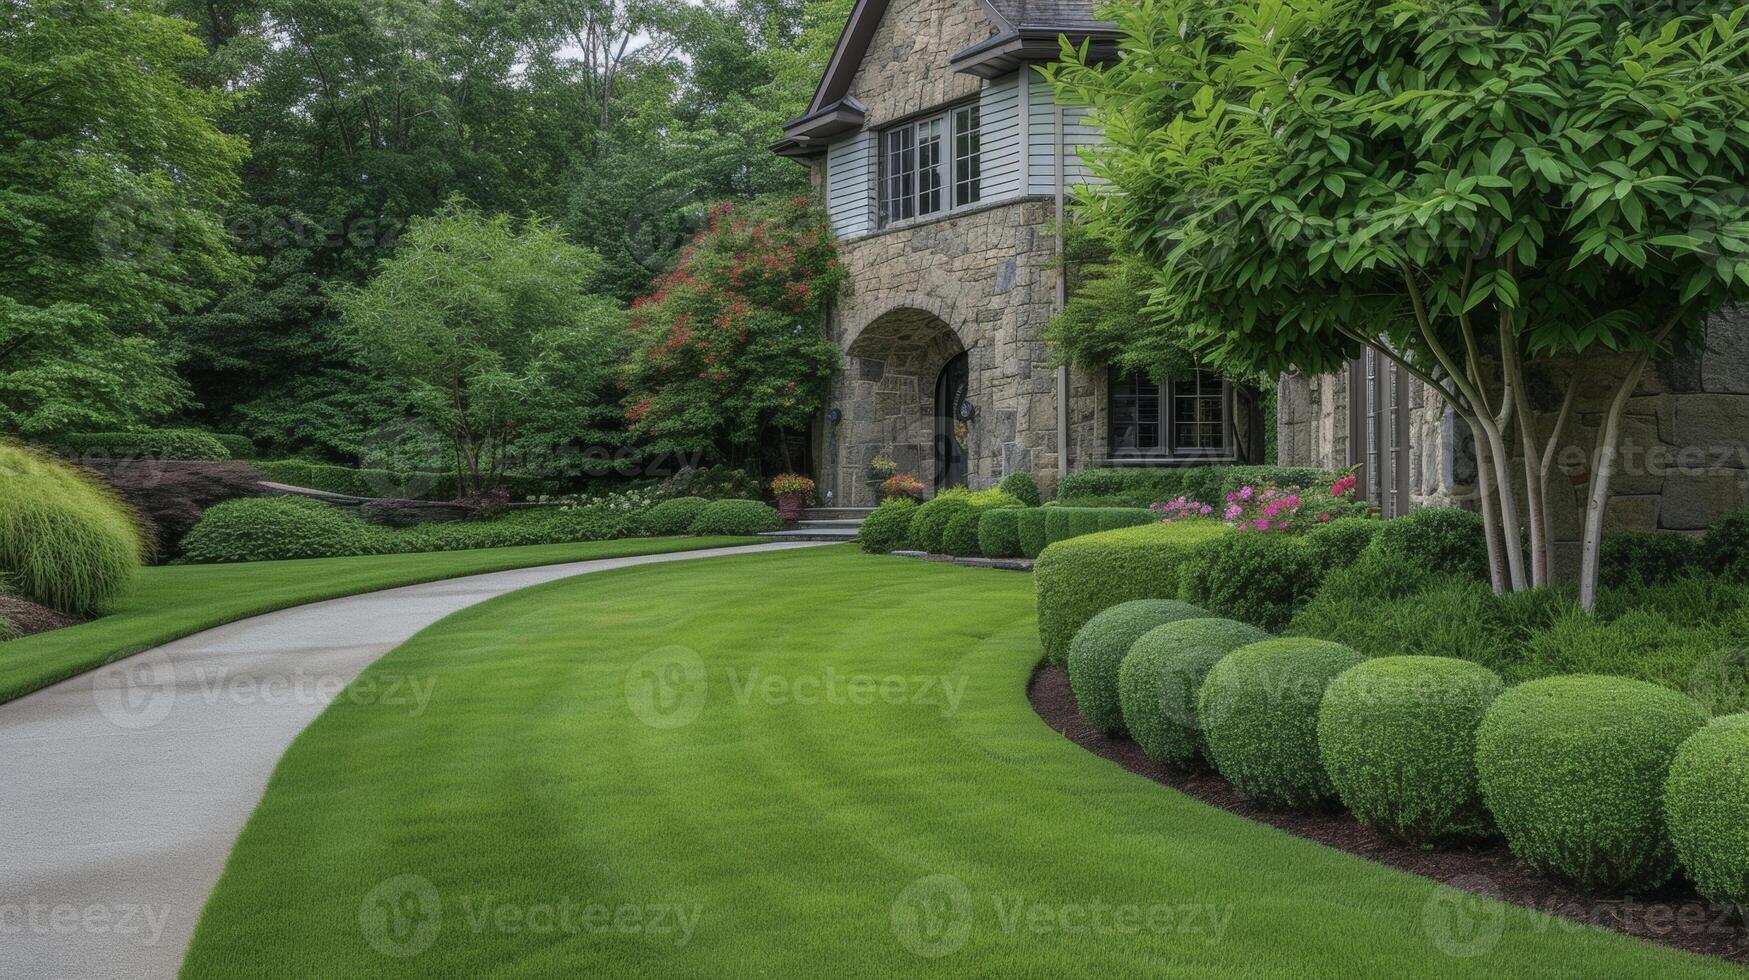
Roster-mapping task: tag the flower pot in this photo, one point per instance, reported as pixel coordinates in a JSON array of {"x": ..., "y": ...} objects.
[{"x": 789, "y": 507}]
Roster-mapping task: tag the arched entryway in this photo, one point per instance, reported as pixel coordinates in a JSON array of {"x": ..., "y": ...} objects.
[{"x": 904, "y": 376}]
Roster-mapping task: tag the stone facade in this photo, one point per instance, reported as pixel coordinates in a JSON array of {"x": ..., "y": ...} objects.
[{"x": 906, "y": 69}]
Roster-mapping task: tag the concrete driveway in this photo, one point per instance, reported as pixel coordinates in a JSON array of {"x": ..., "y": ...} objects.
[{"x": 123, "y": 790}]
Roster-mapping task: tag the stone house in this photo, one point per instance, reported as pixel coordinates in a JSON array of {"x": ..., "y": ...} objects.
[{"x": 944, "y": 164}]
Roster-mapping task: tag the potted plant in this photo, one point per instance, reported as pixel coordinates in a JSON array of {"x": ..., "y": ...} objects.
[
  {"x": 793, "y": 491},
  {"x": 902, "y": 485}
]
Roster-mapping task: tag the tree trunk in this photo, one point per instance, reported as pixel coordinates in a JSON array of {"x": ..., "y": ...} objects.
[
  {"x": 1602, "y": 470},
  {"x": 1490, "y": 504}
]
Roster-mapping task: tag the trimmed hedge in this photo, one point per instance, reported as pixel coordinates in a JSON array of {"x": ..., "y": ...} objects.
[
  {"x": 1046, "y": 526},
  {"x": 1725, "y": 548},
  {"x": 1397, "y": 737},
  {"x": 1574, "y": 769},
  {"x": 999, "y": 532},
  {"x": 66, "y": 540},
  {"x": 736, "y": 517},
  {"x": 276, "y": 528},
  {"x": 1097, "y": 653},
  {"x": 888, "y": 528},
  {"x": 240, "y": 447},
  {"x": 673, "y": 516},
  {"x": 1159, "y": 681},
  {"x": 149, "y": 444},
  {"x": 1256, "y": 577},
  {"x": 1259, "y": 710},
  {"x": 930, "y": 524},
  {"x": 1706, "y": 806},
  {"x": 1442, "y": 540},
  {"x": 1340, "y": 543},
  {"x": 409, "y": 485},
  {"x": 961, "y": 536},
  {"x": 1141, "y": 487},
  {"x": 1081, "y": 577},
  {"x": 1022, "y": 487},
  {"x": 1030, "y": 526},
  {"x": 1638, "y": 558}
]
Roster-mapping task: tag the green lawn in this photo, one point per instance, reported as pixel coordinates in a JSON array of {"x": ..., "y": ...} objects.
[
  {"x": 173, "y": 601},
  {"x": 642, "y": 773}
]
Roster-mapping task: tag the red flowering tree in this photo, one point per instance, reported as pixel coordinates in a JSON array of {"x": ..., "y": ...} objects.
[{"x": 729, "y": 353}]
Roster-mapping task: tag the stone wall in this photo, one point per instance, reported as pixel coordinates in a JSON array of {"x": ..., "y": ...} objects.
[{"x": 905, "y": 70}]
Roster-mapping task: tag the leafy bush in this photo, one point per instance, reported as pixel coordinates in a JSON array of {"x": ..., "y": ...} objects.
[
  {"x": 736, "y": 517},
  {"x": 999, "y": 532},
  {"x": 1055, "y": 524},
  {"x": 1255, "y": 577},
  {"x": 274, "y": 528},
  {"x": 240, "y": 447},
  {"x": 673, "y": 516},
  {"x": 1097, "y": 652},
  {"x": 1030, "y": 528},
  {"x": 526, "y": 526},
  {"x": 1159, "y": 681},
  {"x": 408, "y": 484},
  {"x": 66, "y": 541},
  {"x": 1140, "y": 487},
  {"x": 1633, "y": 558},
  {"x": 149, "y": 444},
  {"x": 929, "y": 524},
  {"x": 1706, "y": 806},
  {"x": 1397, "y": 737},
  {"x": 1081, "y": 577},
  {"x": 888, "y": 527},
  {"x": 1022, "y": 487},
  {"x": 1441, "y": 539},
  {"x": 1639, "y": 644},
  {"x": 716, "y": 482},
  {"x": 961, "y": 536},
  {"x": 1340, "y": 543},
  {"x": 1725, "y": 548},
  {"x": 1259, "y": 712},
  {"x": 1574, "y": 768},
  {"x": 170, "y": 495}
]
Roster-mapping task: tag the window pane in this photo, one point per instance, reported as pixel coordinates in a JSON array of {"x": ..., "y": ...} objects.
[
  {"x": 966, "y": 159},
  {"x": 929, "y": 166},
  {"x": 899, "y": 161},
  {"x": 1199, "y": 414},
  {"x": 1135, "y": 414}
]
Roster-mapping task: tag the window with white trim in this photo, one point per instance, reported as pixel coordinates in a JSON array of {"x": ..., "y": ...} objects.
[{"x": 930, "y": 165}]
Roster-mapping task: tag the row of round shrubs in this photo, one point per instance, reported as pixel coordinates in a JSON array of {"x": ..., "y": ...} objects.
[
  {"x": 947, "y": 524},
  {"x": 276, "y": 528},
  {"x": 1608, "y": 782},
  {"x": 66, "y": 540}
]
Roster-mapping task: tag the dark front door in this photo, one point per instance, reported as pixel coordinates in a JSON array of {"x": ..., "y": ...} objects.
[{"x": 950, "y": 393}]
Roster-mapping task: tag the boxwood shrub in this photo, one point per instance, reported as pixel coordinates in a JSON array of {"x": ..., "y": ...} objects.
[
  {"x": 1030, "y": 526},
  {"x": 999, "y": 532},
  {"x": 1022, "y": 487},
  {"x": 1140, "y": 487},
  {"x": 275, "y": 528},
  {"x": 929, "y": 524},
  {"x": 1706, "y": 805},
  {"x": 1159, "y": 681},
  {"x": 1097, "y": 652},
  {"x": 1442, "y": 540},
  {"x": 1340, "y": 543},
  {"x": 66, "y": 540},
  {"x": 888, "y": 527},
  {"x": 961, "y": 536},
  {"x": 673, "y": 516},
  {"x": 1259, "y": 712},
  {"x": 736, "y": 517},
  {"x": 1256, "y": 577},
  {"x": 1397, "y": 737},
  {"x": 1573, "y": 769},
  {"x": 148, "y": 444},
  {"x": 1080, "y": 577},
  {"x": 1638, "y": 558}
]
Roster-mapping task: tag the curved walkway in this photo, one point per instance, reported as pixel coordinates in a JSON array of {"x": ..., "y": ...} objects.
[{"x": 122, "y": 790}]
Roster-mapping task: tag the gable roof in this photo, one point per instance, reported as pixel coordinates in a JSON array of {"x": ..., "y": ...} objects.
[{"x": 1026, "y": 30}]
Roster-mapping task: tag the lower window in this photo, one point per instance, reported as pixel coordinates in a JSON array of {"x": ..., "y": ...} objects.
[{"x": 1171, "y": 419}]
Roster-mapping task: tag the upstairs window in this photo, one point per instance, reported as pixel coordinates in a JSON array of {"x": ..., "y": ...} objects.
[
  {"x": 1175, "y": 419},
  {"x": 930, "y": 166}
]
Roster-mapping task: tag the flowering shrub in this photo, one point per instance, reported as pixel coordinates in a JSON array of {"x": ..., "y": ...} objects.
[
  {"x": 1181, "y": 509},
  {"x": 902, "y": 485},
  {"x": 619, "y": 501},
  {"x": 729, "y": 344},
  {"x": 785, "y": 484},
  {"x": 1269, "y": 508}
]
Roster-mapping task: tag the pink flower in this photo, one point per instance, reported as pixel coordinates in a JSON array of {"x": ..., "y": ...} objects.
[
  {"x": 1245, "y": 493},
  {"x": 1261, "y": 524},
  {"x": 1232, "y": 513}
]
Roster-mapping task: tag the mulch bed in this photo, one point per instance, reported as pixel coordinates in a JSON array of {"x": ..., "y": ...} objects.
[
  {"x": 27, "y": 617},
  {"x": 1673, "y": 915}
]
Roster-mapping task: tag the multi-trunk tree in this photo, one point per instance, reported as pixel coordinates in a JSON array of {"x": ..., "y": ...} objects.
[{"x": 1481, "y": 193}]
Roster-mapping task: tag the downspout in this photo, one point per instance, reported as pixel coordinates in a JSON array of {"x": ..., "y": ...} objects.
[{"x": 1062, "y": 297}]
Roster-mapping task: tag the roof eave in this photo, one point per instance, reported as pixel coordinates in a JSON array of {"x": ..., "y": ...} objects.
[{"x": 1006, "y": 53}]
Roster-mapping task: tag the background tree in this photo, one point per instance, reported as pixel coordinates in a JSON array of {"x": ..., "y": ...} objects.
[
  {"x": 481, "y": 324},
  {"x": 112, "y": 179},
  {"x": 1475, "y": 192}
]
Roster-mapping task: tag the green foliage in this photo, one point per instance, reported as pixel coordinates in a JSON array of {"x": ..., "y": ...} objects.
[
  {"x": 147, "y": 444},
  {"x": 1637, "y": 558},
  {"x": 673, "y": 516},
  {"x": 1097, "y": 652},
  {"x": 240, "y": 447},
  {"x": 1030, "y": 529},
  {"x": 1397, "y": 737},
  {"x": 1161, "y": 677},
  {"x": 1340, "y": 543},
  {"x": 888, "y": 527},
  {"x": 1079, "y": 578},
  {"x": 729, "y": 347},
  {"x": 961, "y": 536},
  {"x": 1107, "y": 298},
  {"x": 113, "y": 175},
  {"x": 1052, "y": 524},
  {"x": 999, "y": 532},
  {"x": 1706, "y": 805},
  {"x": 1259, "y": 713},
  {"x": 66, "y": 541},
  {"x": 1144, "y": 487},
  {"x": 1443, "y": 540},
  {"x": 387, "y": 483},
  {"x": 1707, "y": 661},
  {"x": 716, "y": 482},
  {"x": 1573, "y": 769},
  {"x": 1725, "y": 548},
  {"x": 1022, "y": 487},
  {"x": 736, "y": 517},
  {"x": 929, "y": 525},
  {"x": 1256, "y": 577},
  {"x": 274, "y": 528}
]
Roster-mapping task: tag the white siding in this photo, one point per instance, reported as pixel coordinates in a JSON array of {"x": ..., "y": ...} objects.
[
  {"x": 1041, "y": 138},
  {"x": 850, "y": 177},
  {"x": 999, "y": 145}
]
